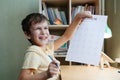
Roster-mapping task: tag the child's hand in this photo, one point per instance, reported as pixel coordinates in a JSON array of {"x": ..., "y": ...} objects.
[
  {"x": 53, "y": 68},
  {"x": 84, "y": 15}
]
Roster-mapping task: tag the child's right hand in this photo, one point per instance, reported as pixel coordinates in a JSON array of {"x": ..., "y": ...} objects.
[{"x": 53, "y": 68}]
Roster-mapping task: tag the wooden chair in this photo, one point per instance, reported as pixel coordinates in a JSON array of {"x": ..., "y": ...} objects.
[{"x": 105, "y": 60}]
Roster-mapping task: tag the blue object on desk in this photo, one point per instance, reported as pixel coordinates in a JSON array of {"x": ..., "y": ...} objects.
[
  {"x": 119, "y": 71},
  {"x": 52, "y": 60}
]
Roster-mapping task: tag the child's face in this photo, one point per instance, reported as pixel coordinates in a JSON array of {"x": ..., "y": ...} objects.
[{"x": 39, "y": 33}]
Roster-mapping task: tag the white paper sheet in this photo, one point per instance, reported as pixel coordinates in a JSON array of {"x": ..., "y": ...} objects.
[{"x": 86, "y": 44}]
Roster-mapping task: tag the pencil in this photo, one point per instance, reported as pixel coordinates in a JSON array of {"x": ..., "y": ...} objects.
[{"x": 52, "y": 60}]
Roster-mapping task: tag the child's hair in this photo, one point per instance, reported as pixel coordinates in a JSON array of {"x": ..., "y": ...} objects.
[{"x": 31, "y": 20}]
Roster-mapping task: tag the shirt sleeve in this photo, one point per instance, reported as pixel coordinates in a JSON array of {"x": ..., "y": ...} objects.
[{"x": 32, "y": 60}]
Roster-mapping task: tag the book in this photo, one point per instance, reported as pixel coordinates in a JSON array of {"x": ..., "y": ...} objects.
[
  {"x": 63, "y": 17},
  {"x": 50, "y": 16},
  {"x": 58, "y": 21},
  {"x": 57, "y": 13},
  {"x": 74, "y": 12},
  {"x": 63, "y": 48},
  {"x": 45, "y": 10}
]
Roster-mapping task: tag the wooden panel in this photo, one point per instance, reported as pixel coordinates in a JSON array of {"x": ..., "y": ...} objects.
[
  {"x": 61, "y": 27},
  {"x": 56, "y": 2},
  {"x": 89, "y": 73},
  {"x": 83, "y": 1}
]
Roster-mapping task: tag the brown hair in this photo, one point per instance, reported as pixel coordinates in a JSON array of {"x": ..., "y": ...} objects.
[{"x": 31, "y": 20}]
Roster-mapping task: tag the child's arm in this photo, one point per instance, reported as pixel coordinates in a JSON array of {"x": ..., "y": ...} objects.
[
  {"x": 70, "y": 30},
  {"x": 27, "y": 74},
  {"x": 30, "y": 74}
]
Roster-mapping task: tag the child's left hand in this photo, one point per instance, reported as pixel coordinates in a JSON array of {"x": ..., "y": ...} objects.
[{"x": 83, "y": 15}]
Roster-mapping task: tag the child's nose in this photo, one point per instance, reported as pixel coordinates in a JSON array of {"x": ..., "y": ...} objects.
[{"x": 43, "y": 31}]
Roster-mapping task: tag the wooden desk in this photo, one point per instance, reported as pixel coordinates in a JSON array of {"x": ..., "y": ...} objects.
[{"x": 89, "y": 73}]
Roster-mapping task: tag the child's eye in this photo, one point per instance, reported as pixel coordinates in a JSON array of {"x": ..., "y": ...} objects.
[
  {"x": 38, "y": 28},
  {"x": 46, "y": 28}
]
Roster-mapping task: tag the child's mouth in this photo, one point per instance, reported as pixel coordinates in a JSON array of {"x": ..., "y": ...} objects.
[{"x": 43, "y": 37}]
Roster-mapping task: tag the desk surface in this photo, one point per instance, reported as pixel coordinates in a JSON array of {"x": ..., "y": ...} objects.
[{"x": 89, "y": 73}]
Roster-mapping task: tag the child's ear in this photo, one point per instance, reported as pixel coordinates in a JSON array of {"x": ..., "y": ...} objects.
[{"x": 27, "y": 35}]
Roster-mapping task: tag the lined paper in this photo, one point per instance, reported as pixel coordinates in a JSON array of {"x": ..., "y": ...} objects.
[{"x": 86, "y": 43}]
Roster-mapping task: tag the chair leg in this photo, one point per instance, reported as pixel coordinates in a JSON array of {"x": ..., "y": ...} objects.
[{"x": 102, "y": 63}]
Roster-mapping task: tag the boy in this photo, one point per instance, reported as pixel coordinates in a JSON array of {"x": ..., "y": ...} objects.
[{"x": 38, "y": 64}]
